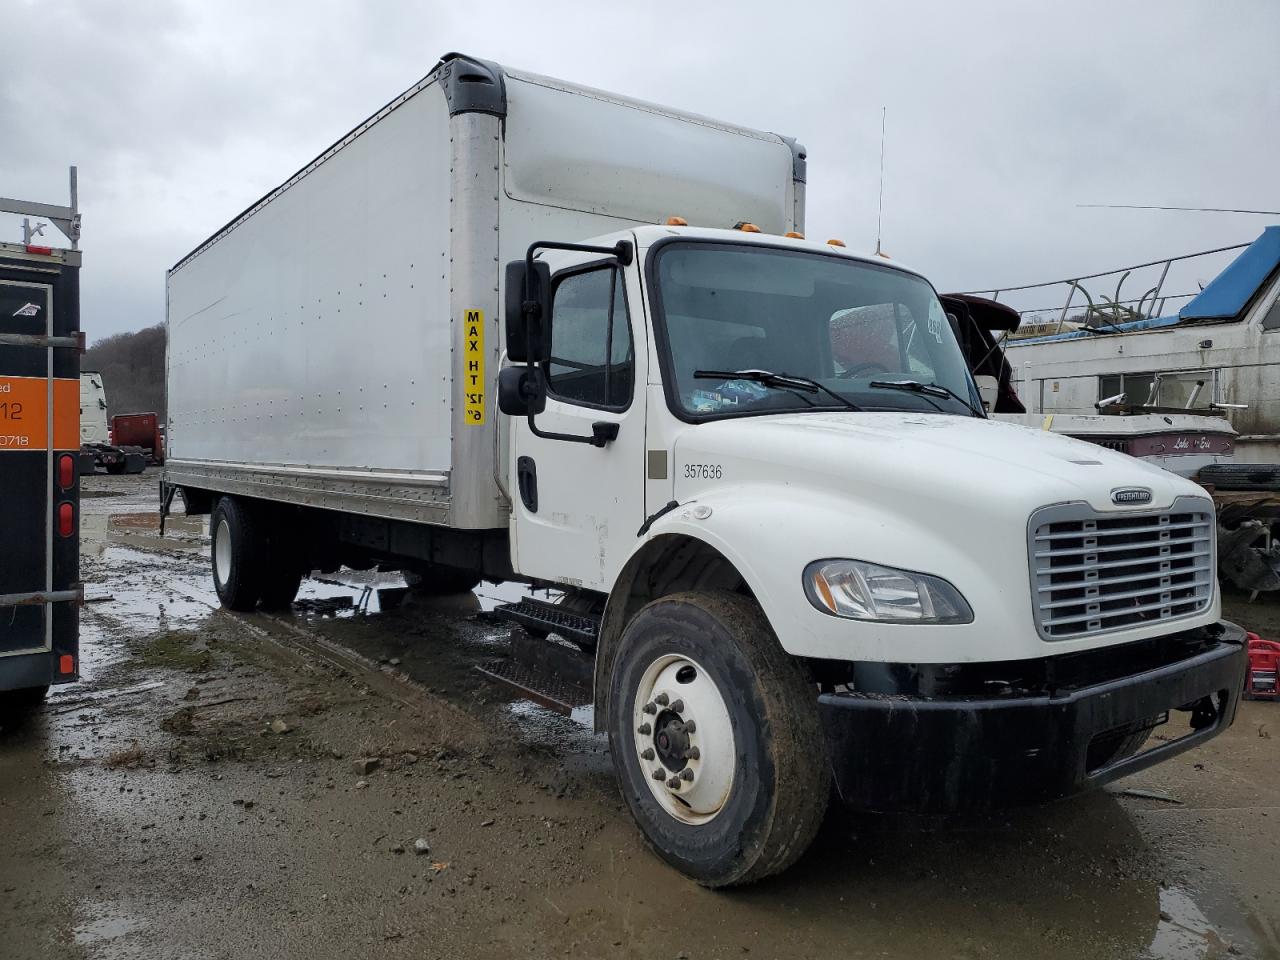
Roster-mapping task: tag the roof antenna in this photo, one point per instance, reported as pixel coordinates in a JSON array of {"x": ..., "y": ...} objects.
[{"x": 880, "y": 208}]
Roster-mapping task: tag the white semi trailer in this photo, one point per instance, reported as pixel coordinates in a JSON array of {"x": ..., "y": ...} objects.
[{"x": 506, "y": 329}]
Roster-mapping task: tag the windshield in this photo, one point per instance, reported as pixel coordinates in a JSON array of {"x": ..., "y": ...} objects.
[{"x": 853, "y": 327}]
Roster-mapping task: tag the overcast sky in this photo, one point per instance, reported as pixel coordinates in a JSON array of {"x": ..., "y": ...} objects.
[{"x": 1001, "y": 116}]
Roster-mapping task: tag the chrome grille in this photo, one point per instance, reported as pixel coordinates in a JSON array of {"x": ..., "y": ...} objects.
[{"x": 1095, "y": 573}]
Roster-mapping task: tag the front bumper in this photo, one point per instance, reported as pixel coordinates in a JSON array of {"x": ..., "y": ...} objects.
[{"x": 958, "y": 754}]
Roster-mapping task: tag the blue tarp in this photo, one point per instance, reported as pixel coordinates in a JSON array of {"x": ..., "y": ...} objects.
[
  {"x": 1223, "y": 299},
  {"x": 1228, "y": 292}
]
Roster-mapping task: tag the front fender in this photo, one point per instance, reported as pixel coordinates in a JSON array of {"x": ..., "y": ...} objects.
[{"x": 770, "y": 535}]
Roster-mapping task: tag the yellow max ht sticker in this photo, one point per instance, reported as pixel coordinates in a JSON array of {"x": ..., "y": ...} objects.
[
  {"x": 24, "y": 414},
  {"x": 473, "y": 368}
]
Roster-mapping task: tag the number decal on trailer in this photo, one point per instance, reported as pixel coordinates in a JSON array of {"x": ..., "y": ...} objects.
[
  {"x": 24, "y": 413},
  {"x": 473, "y": 369},
  {"x": 703, "y": 471}
]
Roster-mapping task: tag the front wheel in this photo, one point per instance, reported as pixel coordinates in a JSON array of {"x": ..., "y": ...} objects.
[{"x": 715, "y": 739}]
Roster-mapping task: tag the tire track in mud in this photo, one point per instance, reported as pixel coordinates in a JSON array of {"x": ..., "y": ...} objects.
[{"x": 295, "y": 639}]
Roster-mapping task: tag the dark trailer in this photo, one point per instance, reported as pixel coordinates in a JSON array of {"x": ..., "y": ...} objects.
[{"x": 40, "y": 347}]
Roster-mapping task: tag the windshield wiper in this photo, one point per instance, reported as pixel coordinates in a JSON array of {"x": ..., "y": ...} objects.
[
  {"x": 927, "y": 390},
  {"x": 785, "y": 381}
]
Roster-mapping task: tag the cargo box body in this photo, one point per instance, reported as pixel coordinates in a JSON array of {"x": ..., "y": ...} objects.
[{"x": 337, "y": 344}]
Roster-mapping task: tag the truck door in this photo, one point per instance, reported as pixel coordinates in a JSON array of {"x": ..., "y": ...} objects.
[
  {"x": 577, "y": 506},
  {"x": 38, "y": 426}
]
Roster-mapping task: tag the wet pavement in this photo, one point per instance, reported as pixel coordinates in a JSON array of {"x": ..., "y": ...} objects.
[{"x": 196, "y": 796}]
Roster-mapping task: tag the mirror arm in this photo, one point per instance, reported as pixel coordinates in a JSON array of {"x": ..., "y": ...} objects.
[
  {"x": 621, "y": 251},
  {"x": 602, "y": 432}
]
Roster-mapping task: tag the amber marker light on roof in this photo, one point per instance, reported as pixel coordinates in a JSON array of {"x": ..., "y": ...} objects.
[
  {"x": 746, "y": 227},
  {"x": 793, "y": 235},
  {"x": 835, "y": 243},
  {"x": 677, "y": 222}
]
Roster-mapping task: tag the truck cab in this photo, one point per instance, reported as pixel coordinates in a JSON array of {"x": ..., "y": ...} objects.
[{"x": 719, "y": 430}]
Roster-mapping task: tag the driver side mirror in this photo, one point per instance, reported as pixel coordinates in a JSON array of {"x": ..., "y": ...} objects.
[
  {"x": 521, "y": 391},
  {"x": 528, "y": 312}
]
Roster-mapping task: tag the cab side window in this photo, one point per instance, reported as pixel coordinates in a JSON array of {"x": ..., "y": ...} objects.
[{"x": 592, "y": 356}]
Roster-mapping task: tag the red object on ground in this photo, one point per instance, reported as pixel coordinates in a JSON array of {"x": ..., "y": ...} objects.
[
  {"x": 138, "y": 430},
  {"x": 1264, "y": 660}
]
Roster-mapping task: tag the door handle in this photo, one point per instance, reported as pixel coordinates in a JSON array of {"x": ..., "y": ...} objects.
[
  {"x": 603, "y": 431},
  {"x": 527, "y": 481}
]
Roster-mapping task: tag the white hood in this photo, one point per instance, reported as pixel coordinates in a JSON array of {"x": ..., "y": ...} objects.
[{"x": 960, "y": 460}]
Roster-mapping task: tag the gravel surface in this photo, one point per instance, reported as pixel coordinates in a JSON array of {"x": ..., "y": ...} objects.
[{"x": 339, "y": 782}]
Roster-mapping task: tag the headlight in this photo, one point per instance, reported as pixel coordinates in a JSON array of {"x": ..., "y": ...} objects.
[{"x": 867, "y": 591}]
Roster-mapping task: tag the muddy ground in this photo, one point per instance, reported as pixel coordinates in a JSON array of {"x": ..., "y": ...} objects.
[{"x": 198, "y": 796}]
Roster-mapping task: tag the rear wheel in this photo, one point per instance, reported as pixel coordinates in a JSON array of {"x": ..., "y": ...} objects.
[
  {"x": 25, "y": 699},
  {"x": 280, "y": 587},
  {"x": 715, "y": 738},
  {"x": 237, "y": 554},
  {"x": 16, "y": 705},
  {"x": 285, "y": 564}
]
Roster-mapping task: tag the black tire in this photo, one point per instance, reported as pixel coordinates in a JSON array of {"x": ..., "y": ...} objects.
[
  {"x": 115, "y": 469},
  {"x": 439, "y": 581},
  {"x": 17, "y": 705},
  {"x": 781, "y": 779},
  {"x": 26, "y": 699},
  {"x": 284, "y": 567},
  {"x": 240, "y": 583},
  {"x": 280, "y": 587}
]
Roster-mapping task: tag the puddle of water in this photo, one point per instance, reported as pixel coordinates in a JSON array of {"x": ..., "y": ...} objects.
[
  {"x": 537, "y": 721},
  {"x": 105, "y": 928},
  {"x": 364, "y": 590},
  {"x": 133, "y": 591},
  {"x": 99, "y": 529},
  {"x": 582, "y": 750}
]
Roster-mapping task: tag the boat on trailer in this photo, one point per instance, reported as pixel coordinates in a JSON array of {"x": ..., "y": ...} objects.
[{"x": 1196, "y": 390}]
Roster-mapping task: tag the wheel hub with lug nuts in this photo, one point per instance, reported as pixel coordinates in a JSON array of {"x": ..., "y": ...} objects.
[{"x": 684, "y": 739}]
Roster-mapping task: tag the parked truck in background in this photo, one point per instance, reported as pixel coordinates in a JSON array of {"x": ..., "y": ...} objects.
[
  {"x": 590, "y": 349},
  {"x": 40, "y": 348},
  {"x": 142, "y": 432},
  {"x": 98, "y": 448}
]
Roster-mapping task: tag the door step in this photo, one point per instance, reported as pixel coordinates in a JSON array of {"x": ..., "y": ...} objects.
[
  {"x": 541, "y": 618},
  {"x": 550, "y": 672}
]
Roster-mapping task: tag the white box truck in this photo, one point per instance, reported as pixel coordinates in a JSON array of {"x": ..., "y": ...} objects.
[{"x": 515, "y": 329}]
